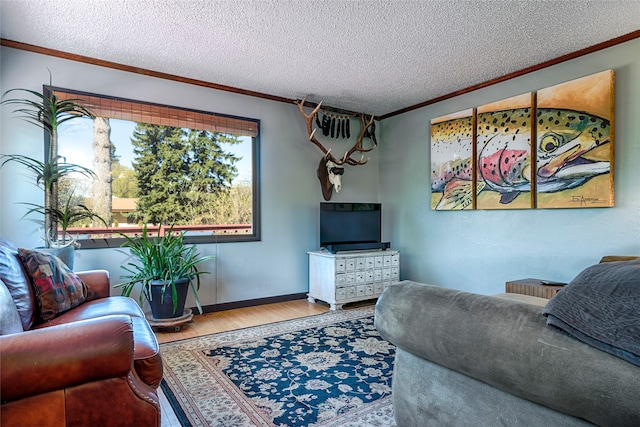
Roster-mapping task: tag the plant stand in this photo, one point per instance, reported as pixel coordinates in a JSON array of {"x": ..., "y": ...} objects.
[{"x": 174, "y": 322}]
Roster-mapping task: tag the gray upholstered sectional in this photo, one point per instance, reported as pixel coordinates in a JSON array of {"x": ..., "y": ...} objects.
[{"x": 465, "y": 359}]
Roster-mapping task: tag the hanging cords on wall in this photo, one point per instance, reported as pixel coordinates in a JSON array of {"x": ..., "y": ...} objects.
[{"x": 336, "y": 123}]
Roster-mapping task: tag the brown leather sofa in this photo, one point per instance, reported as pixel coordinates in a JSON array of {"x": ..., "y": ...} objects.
[{"x": 96, "y": 364}]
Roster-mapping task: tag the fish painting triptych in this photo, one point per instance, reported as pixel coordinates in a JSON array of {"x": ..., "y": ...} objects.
[{"x": 547, "y": 149}]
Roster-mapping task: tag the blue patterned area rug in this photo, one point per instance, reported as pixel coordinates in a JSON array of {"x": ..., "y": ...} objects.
[{"x": 331, "y": 369}]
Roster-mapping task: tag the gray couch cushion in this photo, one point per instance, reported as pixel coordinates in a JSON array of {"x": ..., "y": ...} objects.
[
  {"x": 13, "y": 276},
  {"x": 508, "y": 345},
  {"x": 427, "y": 394},
  {"x": 527, "y": 299},
  {"x": 10, "y": 322}
]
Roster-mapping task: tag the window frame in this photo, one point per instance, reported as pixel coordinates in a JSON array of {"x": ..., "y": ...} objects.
[{"x": 254, "y": 236}]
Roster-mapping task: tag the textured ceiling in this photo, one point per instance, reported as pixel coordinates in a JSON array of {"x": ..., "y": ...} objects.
[{"x": 369, "y": 56}]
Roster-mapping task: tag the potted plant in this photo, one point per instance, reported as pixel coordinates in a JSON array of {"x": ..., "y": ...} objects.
[
  {"x": 165, "y": 269},
  {"x": 70, "y": 214},
  {"x": 48, "y": 112}
]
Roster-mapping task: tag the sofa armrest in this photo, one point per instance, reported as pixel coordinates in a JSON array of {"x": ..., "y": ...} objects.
[
  {"x": 508, "y": 345},
  {"x": 44, "y": 360},
  {"x": 97, "y": 280}
]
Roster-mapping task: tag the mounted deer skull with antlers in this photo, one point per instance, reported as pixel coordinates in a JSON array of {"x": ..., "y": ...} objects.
[{"x": 330, "y": 169}]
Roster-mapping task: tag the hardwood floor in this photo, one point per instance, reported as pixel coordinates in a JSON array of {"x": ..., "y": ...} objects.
[
  {"x": 239, "y": 318},
  {"x": 228, "y": 320}
]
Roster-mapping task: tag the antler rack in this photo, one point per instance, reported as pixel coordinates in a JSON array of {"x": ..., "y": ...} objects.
[{"x": 357, "y": 147}]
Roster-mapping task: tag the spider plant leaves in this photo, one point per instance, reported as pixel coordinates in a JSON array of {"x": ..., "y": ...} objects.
[
  {"x": 47, "y": 172},
  {"x": 68, "y": 215},
  {"x": 47, "y": 112}
]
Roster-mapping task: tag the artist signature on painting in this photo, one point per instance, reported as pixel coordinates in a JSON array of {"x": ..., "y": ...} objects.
[{"x": 586, "y": 200}]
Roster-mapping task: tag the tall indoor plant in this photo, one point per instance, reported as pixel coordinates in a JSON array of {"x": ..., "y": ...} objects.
[
  {"x": 48, "y": 112},
  {"x": 67, "y": 215},
  {"x": 165, "y": 268}
]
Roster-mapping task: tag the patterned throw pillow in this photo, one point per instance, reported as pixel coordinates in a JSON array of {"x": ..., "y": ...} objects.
[{"x": 57, "y": 289}]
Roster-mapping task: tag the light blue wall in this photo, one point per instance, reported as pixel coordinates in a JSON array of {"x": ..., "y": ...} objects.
[
  {"x": 480, "y": 250},
  {"x": 474, "y": 250},
  {"x": 290, "y": 190}
]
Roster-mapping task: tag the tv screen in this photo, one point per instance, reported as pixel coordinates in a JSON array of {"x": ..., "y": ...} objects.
[{"x": 349, "y": 223}]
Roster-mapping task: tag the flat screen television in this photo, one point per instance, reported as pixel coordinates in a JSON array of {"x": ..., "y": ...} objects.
[{"x": 351, "y": 226}]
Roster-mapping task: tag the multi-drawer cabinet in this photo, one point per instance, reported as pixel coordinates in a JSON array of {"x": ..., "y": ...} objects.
[{"x": 346, "y": 277}]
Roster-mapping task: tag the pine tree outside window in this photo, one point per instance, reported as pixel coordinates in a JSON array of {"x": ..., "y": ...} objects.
[{"x": 161, "y": 166}]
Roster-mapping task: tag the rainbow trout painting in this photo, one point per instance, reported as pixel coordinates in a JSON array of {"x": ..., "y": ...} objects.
[
  {"x": 564, "y": 140},
  {"x": 548, "y": 149},
  {"x": 451, "y": 161}
]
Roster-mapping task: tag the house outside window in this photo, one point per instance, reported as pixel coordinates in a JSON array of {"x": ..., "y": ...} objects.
[{"x": 161, "y": 166}]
